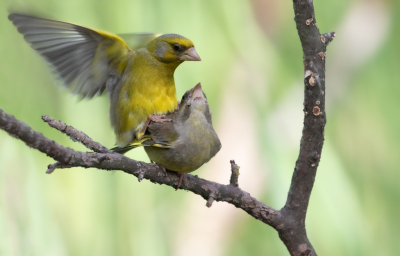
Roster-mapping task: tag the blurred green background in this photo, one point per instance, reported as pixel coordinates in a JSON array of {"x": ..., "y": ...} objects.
[{"x": 252, "y": 73}]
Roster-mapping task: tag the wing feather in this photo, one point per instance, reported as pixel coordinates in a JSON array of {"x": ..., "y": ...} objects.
[
  {"x": 83, "y": 58},
  {"x": 163, "y": 134}
]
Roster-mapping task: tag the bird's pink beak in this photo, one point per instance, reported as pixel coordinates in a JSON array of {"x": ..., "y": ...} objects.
[
  {"x": 190, "y": 55},
  {"x": 197, "y": 93}
]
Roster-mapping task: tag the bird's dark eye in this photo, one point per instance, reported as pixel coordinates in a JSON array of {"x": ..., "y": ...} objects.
[{"x": 177, "y": 47}]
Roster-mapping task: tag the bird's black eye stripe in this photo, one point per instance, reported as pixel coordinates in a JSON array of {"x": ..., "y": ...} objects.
[{"x": 177, "y": 47}]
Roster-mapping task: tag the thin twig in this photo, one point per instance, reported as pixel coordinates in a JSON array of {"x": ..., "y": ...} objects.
[
  {"x": 51, "y": 167},
  {"x": 76, "y": 135},
  {"x": 235, "y": 174}
]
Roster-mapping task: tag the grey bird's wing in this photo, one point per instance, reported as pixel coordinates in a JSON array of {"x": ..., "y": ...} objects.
[{"x": 162, "y": 134}]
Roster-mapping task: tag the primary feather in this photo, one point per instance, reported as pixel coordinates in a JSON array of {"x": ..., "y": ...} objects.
[{"x": 74, "y": 51}]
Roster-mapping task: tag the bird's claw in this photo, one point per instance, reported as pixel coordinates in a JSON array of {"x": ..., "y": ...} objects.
[{"x": 181, "y": 178}]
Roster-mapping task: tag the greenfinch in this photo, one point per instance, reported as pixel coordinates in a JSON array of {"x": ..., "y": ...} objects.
[
  {"x": 187, "y": 142},
  {"x": 140, "y": 83}
]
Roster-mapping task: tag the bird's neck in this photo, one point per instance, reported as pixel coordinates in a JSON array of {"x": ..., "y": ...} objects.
[
  {"x": 196, "y": 120},
  {"x": 149, "y": 62},
  {"x": 167, "y": 68}
]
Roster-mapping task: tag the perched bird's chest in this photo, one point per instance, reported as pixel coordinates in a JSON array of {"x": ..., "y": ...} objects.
[{"x": 196, "y": 144}]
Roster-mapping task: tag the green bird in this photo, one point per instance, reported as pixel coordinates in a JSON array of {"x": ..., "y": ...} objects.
[
  {"x": 140, "y": 82},
  {"x": 185, "y": 143}
]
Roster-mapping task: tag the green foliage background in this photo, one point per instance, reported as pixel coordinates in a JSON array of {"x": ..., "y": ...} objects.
[{"x": 252, "y": 74}]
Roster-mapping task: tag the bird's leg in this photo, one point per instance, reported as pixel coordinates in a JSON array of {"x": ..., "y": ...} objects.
[{"x": 181, "y": 178}]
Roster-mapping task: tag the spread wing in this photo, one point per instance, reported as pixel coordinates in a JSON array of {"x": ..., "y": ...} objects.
[{"x": 83, "y": 58}]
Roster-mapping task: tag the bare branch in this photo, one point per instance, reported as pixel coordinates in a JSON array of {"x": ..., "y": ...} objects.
[
  {"x": 67, "y": 157},
  {"x": 76, "y": 135},
  {"x": 210, "y": 201},
  {"x": 293, "y": 231},
  {"x": 51, "y": 167},
  {"x": 235, "y": 174}
]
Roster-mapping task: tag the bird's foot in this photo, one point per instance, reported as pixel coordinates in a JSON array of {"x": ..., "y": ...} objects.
[
  {"x": 159, "y": 119},
  {"x": 178, "y": 105},
  {"x": 181, "y": 178}
]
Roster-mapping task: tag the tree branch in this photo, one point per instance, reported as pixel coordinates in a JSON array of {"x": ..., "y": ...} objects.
[
  {"x": 290, "y": 220},
  {"x": 76, "y": 135},
  {"x": 67, "y": 158},
  {"x": 293, "y": 232}
]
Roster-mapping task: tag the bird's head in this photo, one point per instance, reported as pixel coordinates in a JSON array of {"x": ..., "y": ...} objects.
[
  {"x": 172, "y": 48},
  {"x": 194, "y": 101}
]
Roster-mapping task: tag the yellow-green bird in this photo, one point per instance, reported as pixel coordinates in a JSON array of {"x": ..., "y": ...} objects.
[
  {"x": 140, "y": 83},
  {"x": 187, "y": 142}
]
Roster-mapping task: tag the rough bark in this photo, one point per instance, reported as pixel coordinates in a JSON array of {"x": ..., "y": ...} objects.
[
  {"x": 293, "y": 231},
  {"x": 67, "y": 158}
]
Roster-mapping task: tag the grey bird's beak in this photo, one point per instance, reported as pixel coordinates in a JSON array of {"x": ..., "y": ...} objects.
[
  {"x": 190, "y": 55},
  {"x": 197, "y": 93}
]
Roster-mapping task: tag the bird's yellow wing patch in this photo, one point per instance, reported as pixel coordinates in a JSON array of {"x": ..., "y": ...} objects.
[
  {"x": 132, "y": 145},
  {"x": 145, "y": 141}
]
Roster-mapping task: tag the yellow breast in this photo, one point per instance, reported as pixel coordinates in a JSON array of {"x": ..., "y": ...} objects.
[{"x": 148, "y": 88}]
